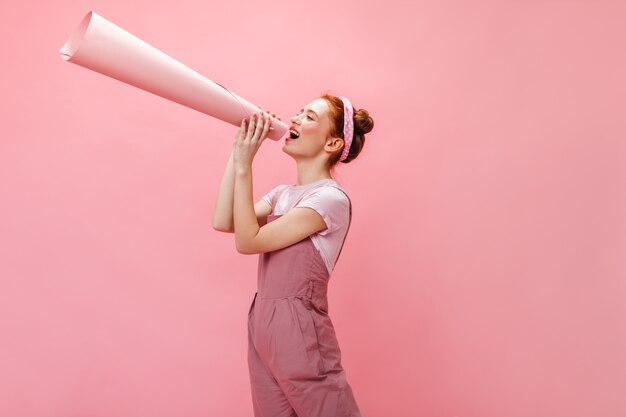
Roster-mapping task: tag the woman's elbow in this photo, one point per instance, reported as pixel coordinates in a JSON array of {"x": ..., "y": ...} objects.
[
  {"x": 245, "y": 248},
  {"x": 221, "y": 227}
]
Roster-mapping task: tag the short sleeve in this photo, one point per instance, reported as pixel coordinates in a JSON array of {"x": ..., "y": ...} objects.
[
  {"x": 332, "y": 204},
  {"x": 270, "y": 198}
]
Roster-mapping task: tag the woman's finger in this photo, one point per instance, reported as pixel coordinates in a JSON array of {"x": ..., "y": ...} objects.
[
  {"x": 255, "y": 133},
  {"x": 242, "y": 131},
  {"x": 269, "y": 122},
  {"x": 251, "y": 127},
  {"x": 274, "y": 116},
  {"x": 260, "y": 120},
  {"x": 266, "y": 127}
]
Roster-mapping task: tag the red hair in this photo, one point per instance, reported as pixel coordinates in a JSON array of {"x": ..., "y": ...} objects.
[{"x": 363, "y": 124}]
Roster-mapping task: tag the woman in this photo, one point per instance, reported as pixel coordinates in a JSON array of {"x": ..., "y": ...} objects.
[{"x": 294, "y": 359}]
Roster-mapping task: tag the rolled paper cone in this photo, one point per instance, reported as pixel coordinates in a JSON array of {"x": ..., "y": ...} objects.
[{"x": 103, "y": 47}]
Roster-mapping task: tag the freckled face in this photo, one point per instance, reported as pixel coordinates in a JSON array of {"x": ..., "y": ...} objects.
[{"x": 313, "y": 125}]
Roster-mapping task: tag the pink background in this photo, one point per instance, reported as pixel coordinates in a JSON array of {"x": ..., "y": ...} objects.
[{"x": 484, "y": 274}]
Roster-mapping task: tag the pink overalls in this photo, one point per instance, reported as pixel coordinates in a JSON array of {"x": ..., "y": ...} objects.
[{"x": 293, "y": 355}]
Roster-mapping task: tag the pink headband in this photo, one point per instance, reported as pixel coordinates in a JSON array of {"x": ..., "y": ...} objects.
[{"x": 348, "y": 127}]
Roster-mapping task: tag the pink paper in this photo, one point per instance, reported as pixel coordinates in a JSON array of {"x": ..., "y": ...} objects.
[{"x": 102, "y": 46}]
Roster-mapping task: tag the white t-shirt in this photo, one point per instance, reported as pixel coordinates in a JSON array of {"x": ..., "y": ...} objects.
[{"x": 332, "y": 204}]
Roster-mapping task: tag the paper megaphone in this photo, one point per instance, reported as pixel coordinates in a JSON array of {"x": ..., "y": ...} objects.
[{"x": 103, "y": 47}]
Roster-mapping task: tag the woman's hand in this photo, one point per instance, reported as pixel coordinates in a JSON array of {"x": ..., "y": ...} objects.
[
  {"x": 249, "y": 139},
  {"x": 271, "y": 114}
]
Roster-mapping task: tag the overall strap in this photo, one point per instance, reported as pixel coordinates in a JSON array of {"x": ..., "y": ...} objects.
[{"x": 349, "y": 222}]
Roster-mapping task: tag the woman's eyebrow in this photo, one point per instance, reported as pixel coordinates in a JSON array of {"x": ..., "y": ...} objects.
[{"x": 310, "y": 111}]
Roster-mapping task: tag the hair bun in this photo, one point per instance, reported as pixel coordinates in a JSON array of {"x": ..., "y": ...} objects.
[{"x": 363, "y": 123}]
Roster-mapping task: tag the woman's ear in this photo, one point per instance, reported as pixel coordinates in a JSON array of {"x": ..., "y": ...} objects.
[{"x": 333, "y": 144}]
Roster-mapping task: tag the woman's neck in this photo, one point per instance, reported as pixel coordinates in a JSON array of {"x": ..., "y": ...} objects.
[{"x": 310, "y": 171}]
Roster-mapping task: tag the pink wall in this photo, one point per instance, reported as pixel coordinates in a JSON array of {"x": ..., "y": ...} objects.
[{"x": 484, "y": 273}]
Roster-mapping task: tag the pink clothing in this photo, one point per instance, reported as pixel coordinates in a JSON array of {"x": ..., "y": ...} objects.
[
  {"x": 294, "y": 359},
  {"x": 324, "y": 197}
]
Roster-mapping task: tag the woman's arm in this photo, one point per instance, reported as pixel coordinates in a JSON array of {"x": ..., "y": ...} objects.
[
  {"x": 223, "y": 212},
  {"x": 295, "y": 225}
]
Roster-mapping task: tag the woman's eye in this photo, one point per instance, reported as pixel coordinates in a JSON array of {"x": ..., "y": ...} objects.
[{"x": 309, "y": 117}]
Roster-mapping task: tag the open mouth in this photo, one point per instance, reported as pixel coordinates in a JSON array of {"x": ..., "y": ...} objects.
[{"x": 294, "y": 134}]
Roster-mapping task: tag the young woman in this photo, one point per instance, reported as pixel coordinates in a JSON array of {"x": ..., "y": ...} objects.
[{"x": 294, "y": 359}]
